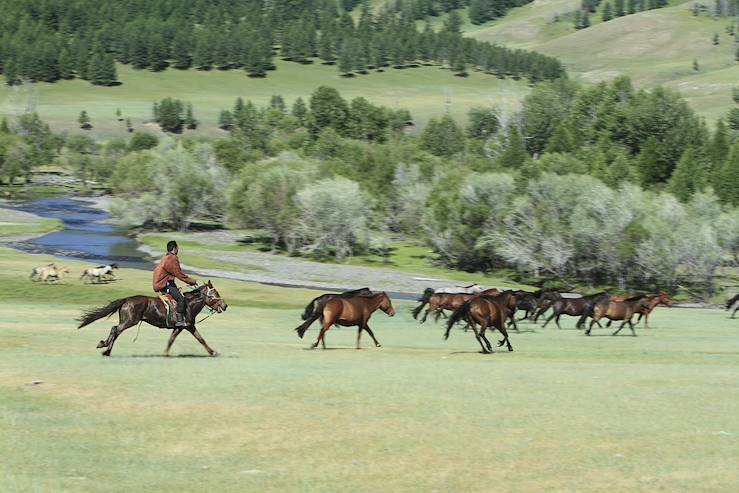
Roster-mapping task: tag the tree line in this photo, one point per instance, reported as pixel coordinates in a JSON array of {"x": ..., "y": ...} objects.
[
  {"x": 602, "y": 184},
  {"x": 50, "y": 40}
]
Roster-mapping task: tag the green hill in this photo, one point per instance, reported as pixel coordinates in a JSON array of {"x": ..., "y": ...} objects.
[
  {"x": 425, "y": 91},
  {"x": 652, "y": 47}
]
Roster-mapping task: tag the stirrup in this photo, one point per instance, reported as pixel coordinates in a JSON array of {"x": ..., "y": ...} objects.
[{"x": 180, "y": 321}]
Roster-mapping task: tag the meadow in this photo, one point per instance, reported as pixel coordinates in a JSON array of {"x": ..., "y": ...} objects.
[
  {"x": 563, "y": 412},
  {"x": 425, "y": 91}
]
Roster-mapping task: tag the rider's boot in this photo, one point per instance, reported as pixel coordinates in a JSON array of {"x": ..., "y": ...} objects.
[{"x": 180, "y": 320}]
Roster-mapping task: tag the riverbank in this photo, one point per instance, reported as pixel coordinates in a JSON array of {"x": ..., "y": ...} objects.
[{"x": 19, "y": 226}]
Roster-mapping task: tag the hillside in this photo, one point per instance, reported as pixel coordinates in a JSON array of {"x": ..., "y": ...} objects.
[
  {"x": 425, "y": 91},
  {"x": 652, "y": 47}
]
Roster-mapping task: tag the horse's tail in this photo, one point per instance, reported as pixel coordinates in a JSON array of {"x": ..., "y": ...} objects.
[
  {"x": 424, "y": 299},
  {"x": 315, "y": 315},
  {"x": 458, "y": 315},
  {"x": 90, "y": 316},
  {"x": 309, "y": 308}
]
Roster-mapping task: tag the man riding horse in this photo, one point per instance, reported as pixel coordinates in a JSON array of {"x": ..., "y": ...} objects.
[{"x": 167, "y": 270}]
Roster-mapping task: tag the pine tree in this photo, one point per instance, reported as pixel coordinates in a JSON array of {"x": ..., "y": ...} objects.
[
  {"x": 277, "y": 102},
  {"x": 299, "y": 110},
  {"x": 631, "y": 7},
  {"x": 515, "y": 153},
  {"x": 620, "y": 8},
  {"x": 190, "y": 122},
  {"x": 108, "y": 74},
  {"x": 181, "y": 50},
  {"x": 578, "y": 19},
  {"x": 157, "y": 56},
  {"x": 733, "y": 119},
  {"x": 561, "y": 140},
  {"x": 326, "y": 49},
  {"x": 586, "y": 20},
  {"x": 345, "y": 58},
  {"x": 696, "y": 67},
  {"x": 84, "y": 120},
  {"x": 66, "y": 65},
  {"x": 728, "y": 179},
  {"x": 225, "y": 120},
  {"x": 607, "y": 13},
  {"x": 716, "y": 40},
  {"x": 4, "y": 128},
  {"x": 443, "y": 137},
  {"x": 129, "y": 127},
  {"x": 687, "y": 177},
  {"x": 720, "y": 144},
  {"x": 11, "y": 72}
]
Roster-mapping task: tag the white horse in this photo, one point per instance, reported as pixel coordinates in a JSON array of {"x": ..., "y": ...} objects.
[
  {"x": 48, "y": 272},
  {"x": 99, "y": 273},
  {"x": 471, "y": 289}
]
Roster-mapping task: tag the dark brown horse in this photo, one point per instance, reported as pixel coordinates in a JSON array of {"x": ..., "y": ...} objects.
[
  {"x": 617, "y": 310},
  {"x": 348, "y": 312},
  {"x": 486, "y": 311},
  {"x": 576, "y": 307},
  {"x": 136, "y": 309},
  {"x": 730, "y": 302}
]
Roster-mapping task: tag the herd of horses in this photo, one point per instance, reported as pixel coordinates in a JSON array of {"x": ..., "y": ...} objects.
[
  {"x": 479, "y": 309},
  {"x": 54, "y": 273}
]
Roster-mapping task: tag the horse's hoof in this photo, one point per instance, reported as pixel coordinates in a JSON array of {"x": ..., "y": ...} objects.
[
  {"x": 101, "y": 344},
  {"x": 106, "y": 353},
  {"x": 510, "y": 349},
  {"x": 214, "y": 354},
  {"x": 378, "y": 345}
]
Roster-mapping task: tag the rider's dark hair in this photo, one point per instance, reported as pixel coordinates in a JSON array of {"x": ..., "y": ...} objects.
[{"x": 171, "y": 245}]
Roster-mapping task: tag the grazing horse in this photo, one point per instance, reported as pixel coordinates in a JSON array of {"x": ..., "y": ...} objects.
[
  {"x": 348, "y": 312},
  {"x": 617, "y": 310},
  {"x": 730, "y": 302},
  {"x": 99, "y": 273},
  {"x": 486, "y": 311},
  {"x": 315, "y": 302},
  {"x": 49, "y": 272},
  {"x": 152, "y": 310},
  {"x": 576, "y": 307},
  {"x": 651, "y": 301}
]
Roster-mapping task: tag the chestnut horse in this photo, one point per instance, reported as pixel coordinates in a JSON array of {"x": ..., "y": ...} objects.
[
  {"x": 651, "y": 301},
  {"x": 486, "y": 311},
  {"x": 315, "y": 302},
  {"x": 348, "y": 312},
  {"x": 136, "y": 309},
  {"x": 617, "y": 310},
  {"x": 438, "y": 302}
]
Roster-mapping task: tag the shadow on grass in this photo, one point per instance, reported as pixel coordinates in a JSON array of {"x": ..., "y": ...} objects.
[{"x": 188, "y": 355}]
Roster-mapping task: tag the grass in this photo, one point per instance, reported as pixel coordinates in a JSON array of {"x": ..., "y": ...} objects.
[
  {"x": 563, "y": 412},
  {"x": 652, "y": 47},
  {"x": 423, "y": 91},
  {"x": 18, "y": 228}
]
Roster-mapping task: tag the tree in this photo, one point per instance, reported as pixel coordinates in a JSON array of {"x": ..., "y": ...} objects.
[
  {"x": 66, "y": 65},
  {"x": 716, "y": 40},
  {"x": 328, "y": 109},
  {"x": 586, "y": 20},
  {"x": 169, "y": 114},
  {"x": 483, "y": 122},
  {"x": 442, "y": 137},
  {"x": 190, "y": 122},
  {"x": 607, "y": 12},
  {"x": 620, "y": 8},
  {"x": 225, "y": 120},
  {"x": 696, "y": 67},
  {"x": 299, "y": 110},
  {"x": 728, "y": 178},
  {"x": 733, "y": 118},
  {"x": 84, "y": 121},
  {"x": 141, "y": 141},
  {"x": 687, "y": 177},
  {"x": 515, "y": 153}
]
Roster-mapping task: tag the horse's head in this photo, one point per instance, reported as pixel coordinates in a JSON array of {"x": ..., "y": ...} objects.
[
  {"x": 113, "y": 265},
  {"x": 476, "y": 288},
  {"x": 664, "y": 299},
  {"x": 63, "y": 270},
  {"x": 386, "y": 305},
  {"x": 213, "y": 298}
]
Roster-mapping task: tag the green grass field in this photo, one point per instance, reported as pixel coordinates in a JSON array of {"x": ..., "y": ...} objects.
[
  {"x": 563, "y": 412},
  {"x": 423, "y": 91},
  {"x": 652, "y": 47}
]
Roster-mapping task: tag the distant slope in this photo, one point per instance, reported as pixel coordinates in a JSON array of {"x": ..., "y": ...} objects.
[
  {"x": 425, "y": 91},
  {"x": 652, "y": 47}
]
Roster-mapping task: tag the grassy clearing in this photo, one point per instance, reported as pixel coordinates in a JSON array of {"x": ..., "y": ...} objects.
[
  {"x": 652, "y": 47},
  {"x": 561, "y": 413},
  {"x": 423, "y": 91}
]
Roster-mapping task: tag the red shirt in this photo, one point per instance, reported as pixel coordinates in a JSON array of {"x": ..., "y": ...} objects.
[{"x": 167, "y": 270}]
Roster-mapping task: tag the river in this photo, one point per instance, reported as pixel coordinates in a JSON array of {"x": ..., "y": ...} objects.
[{"x": 87, "y": 234}]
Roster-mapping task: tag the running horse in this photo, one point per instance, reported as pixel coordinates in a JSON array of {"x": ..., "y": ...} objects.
[
  {"x": 575, "y": 307},
  {"x": 316, "y": 302},
  {"x": 348, "y": 312},
  {"x": 438, "y": 302},
  {"x": 486, "y": 311},
  {"x": 730, "y": 302},
  {"x": 136, "y": 309},
  {"x": 617, "y": 310},
  {"x": 651, "y": 301},
  {"x": 100, "y": 273}
]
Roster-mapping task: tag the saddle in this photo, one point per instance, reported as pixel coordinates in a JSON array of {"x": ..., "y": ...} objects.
[{"x": 171, "y": 305}]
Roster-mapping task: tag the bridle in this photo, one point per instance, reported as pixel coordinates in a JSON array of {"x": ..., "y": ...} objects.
[{"x": 210, "y": 297}]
